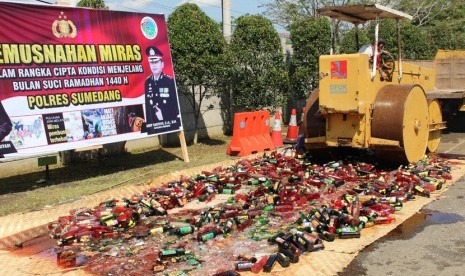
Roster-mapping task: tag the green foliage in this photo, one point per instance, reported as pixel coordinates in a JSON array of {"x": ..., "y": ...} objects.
[
  {"x": 311, "y": 37},
  {"x": 95, "y": 4},
  {"x": 259, "y": 76},
  {"x": 348, "y": 45},
  {"x": 423, "y": 11},
  {"x": 441, "y": 21},
  {"x": 447, "y": 30},
  {"x": 414, "y": 43},
  {"x": 197, "y": 48},
  {"x": 284, "y": 12}
]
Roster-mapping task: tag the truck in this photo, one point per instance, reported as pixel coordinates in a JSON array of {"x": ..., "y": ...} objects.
[{"x": 449, "y": 89}]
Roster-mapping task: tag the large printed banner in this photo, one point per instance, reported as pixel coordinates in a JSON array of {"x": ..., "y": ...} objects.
[{"x": 74, "y": 77}]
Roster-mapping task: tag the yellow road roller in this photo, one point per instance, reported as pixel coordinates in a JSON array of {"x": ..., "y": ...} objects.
[{"x": 356, "y": 107}]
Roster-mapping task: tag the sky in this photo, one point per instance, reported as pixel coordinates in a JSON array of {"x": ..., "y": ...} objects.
[{"x": 211, "y": 7}]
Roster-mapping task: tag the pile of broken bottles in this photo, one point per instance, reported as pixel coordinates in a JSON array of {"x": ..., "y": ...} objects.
[{"x": 276, "y": 207}]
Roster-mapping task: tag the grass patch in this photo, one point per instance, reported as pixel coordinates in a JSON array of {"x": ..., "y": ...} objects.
[{"x": 23, "y": 193}]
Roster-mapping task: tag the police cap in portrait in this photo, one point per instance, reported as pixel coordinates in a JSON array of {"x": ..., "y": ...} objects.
[{"x": 153, "y": 53}]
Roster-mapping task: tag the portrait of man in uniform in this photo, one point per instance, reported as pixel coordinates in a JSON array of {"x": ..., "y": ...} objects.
[{"x": 161, "y": 101}]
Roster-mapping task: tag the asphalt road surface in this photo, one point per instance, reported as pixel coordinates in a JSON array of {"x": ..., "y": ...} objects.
[{"x": 431, "y": 242}]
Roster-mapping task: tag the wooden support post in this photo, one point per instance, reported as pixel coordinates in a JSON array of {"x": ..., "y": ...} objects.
[
  {"x": 46, "y": 161},
  {"x": 182, "y": 141},
  {"x": 47, "y": 173}
]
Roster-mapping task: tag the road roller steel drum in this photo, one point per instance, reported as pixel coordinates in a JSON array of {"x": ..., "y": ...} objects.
[
  {"x": 400, "y": 114},
  {"x": 435, "y": 125}
]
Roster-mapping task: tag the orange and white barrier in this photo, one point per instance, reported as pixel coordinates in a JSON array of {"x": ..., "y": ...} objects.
[
  {"x": 292, "y": 129},
  {"x": 250, "y": 133},
  {"x": 276, "y": 134}
]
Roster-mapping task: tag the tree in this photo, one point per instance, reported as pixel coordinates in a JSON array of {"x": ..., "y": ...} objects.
[
  {"x": 284, "y": 12},
  {"x": 414, "y": 41},
  {"x": 259, "y": 76},
  {"x": 348, "y": 45},
  {"x": 447, "y": 29},
  {"x": 197, "y": 48},
  {"x": 310, "y": 38},
  {"x": 423, "y": 11},
  {"x": 95, "y": 4}
]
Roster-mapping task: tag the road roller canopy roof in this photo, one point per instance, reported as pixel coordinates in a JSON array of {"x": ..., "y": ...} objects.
[{"x": 359, "y": 14}]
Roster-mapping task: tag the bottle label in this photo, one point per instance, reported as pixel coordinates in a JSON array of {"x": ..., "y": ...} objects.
[
  {"x": 111, "y": 222},
  {"x": 301, "y": 241},
  {"x": 161, "y": 210},
  {"x": 131, "y": 223},
  {"x": 268, "y": 208},
  {"x": 253, "y": 181},
  {"x": 279, "y": 240},
  {"x": 208, "y": 236},
  {"x": 144, "y": 202},
  {"x": 244, "y": 266},
  {"x": 185, "y": 230},
  {"x": 167, "y": 253},
  {"x": 227, "y": 191},
  {"x": 328, "y": 180},
  {"x": 107, "y": 217},
  {"x": 158, "y": 230}
]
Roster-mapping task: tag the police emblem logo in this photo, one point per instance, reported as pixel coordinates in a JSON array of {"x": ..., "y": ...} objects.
[
  {"x": 64, "y": 28},
  {"x": 149, "y": 27}
]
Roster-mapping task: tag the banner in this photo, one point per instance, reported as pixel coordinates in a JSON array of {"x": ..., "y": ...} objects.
[{"x": 75, "y": 77}]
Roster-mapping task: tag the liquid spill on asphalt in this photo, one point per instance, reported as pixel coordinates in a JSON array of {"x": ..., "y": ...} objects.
[
  {"x": 418, "y": 222},
  {"x": 407, "y": 230},
  {"x": 453, "y": 156}
]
